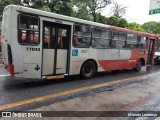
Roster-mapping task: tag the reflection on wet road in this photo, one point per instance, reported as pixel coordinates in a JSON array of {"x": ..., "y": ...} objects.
[{"x": 14, "y": 90}]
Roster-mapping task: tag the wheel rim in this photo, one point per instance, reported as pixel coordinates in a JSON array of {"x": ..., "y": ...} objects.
[
  {"x": 88, "y": 69},
  {"x": 139, "y": 65}
]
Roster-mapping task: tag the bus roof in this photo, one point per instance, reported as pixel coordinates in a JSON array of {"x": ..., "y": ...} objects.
[
  {"x": 53, "y": 15},
  {"x": 72, "y": 19}
]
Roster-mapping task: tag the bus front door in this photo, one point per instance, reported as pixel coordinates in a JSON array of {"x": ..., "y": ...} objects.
[
  {"x": 150, "y": 52},
  {"x": 56, "y": 41}
]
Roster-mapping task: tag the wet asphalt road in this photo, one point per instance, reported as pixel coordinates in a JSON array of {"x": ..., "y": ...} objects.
[{"x": 14, "y": 90}]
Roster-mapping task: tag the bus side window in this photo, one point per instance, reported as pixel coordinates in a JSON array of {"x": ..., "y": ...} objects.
[
  {"x": 119, "y": 40},
  {"x": 101, "y": 38},
  {"x": 142, "y": 43},
  {"x": 116, "y": 43},
  {"x": 45, "y": 43},
  {"x": 132, "y": 41},
  {"x": 76, "y": 41},
  {"x": 22, "y": 36},
  {"x": 28, "y": 30},
  {"x": 82, "y": 36},
  {"x": 62, "y": 39}
]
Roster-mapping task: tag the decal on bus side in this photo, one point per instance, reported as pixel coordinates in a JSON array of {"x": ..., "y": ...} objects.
[
  {"x": 75, "y": 52},
  {"x": 32, "y": 49},
  {"x": 141, "y": 52}
]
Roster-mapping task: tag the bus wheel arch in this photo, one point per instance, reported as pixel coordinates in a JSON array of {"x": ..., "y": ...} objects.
[
  {"x": 88, "y": 68},
  {"x": 140, "y": 63}
]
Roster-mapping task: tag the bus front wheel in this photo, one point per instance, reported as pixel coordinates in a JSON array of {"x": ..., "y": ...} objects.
[
  {"x": 139, "y": 66},
  {"x": 88, "y": 69}
]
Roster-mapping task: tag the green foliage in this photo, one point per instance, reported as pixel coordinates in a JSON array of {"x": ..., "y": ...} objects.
[
  {"x": 112, "y": 21},
  {"x": 115, "y": 21},
  {"x": 135, "y": 26},
  {"x": 90, "y": 7},
  {"x": 64, "y": 7},
  {"x": 4, "y": 3},
  {"x": 152, "y": 27},
  {"x": 101, "y": 19},
  {"x": 82, "y": 12},
  {"x": 122, "y": 22}
]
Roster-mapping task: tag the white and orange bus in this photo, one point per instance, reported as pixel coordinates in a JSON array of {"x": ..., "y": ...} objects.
[{"x": 39, "y": 44}]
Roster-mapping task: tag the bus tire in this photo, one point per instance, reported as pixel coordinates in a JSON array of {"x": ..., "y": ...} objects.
[
  {"x": 139, "y": 66},
  {"x": 88, "y": 69}
]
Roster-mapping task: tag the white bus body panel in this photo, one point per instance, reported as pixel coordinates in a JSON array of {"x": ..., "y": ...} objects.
[
  {"x": 32, "y": 57},
  {"x": 77, "y": 59},
  {"x": 125, "y": 54},
  {"x": 97, "y": 55},
  {"x": 48, "y": 61},
  {"x": 24, "y": 61},
  {"x": 61, "y": 61},
  {"x": 5, "y": 33},
  {"x": 10, "y": 37}
]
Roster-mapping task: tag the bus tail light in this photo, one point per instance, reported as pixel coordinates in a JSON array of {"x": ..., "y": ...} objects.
[
  {"x": 9, "y": 55},
  {"x": 10, "y": 66},
  {"x": 10, "y": 69}
]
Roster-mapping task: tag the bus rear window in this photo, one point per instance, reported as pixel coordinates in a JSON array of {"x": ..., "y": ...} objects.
[{"x": 28, "y": 32}]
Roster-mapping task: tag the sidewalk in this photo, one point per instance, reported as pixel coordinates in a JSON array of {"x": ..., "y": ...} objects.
[{"x": 131, "y": 97}]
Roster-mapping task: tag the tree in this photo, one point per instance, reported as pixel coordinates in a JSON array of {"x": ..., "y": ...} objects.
[
  {"x": 81, "y": 10},
  {"x": 64, "y": 7},
  {"x": 135, "y": 26},
  {"x": 122, "y": 22},
  {"x": 115, "y": 21},
  {"x": 112, "y": 21},
  {"x": 96, "y": 6},
  {"x": 152, "y": 27},
  {"x": 117, "y": 10},
  {"x": 4, "y": 3},
  {"x": 91, "y": 7},
  {"x": 101, "y": 19}
]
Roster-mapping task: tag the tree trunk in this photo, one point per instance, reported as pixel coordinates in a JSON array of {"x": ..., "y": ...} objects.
[{"x": 94, "y": 16}]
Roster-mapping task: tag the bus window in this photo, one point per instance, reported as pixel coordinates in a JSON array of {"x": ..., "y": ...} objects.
[
  {"x": 49, "y": 37},
  {"x": 132, "y": 41},
  {"x": 82, "y": 36},
  {"x": 142, "y": 42},
  {"x": 28, "y": 30},
  {"x": 62, "y": 39},
  {"x": 119, "y": 39},
  {"x": 101, "y": 38},
  {"x": 122, "y": 38}
]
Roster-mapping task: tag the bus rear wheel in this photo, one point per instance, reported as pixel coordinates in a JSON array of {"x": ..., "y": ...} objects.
[
  {"x": 139, "y": 66},
  {"x": 88, "y": 69}
]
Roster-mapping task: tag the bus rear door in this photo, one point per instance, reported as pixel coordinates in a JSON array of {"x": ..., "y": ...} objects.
[
  {"x": 56, "y": 41},
  {"x": 151, "y": 51}
]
